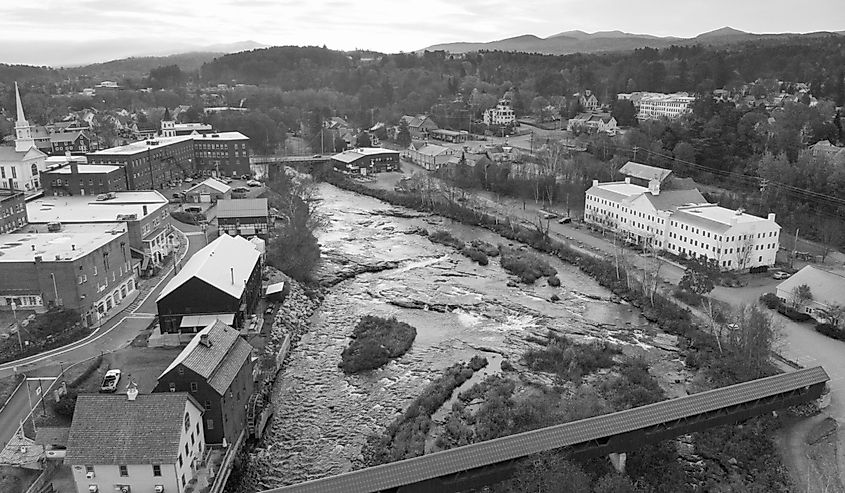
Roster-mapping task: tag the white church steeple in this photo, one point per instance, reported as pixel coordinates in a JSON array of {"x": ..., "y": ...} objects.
[{"x": 23, "y": 130}]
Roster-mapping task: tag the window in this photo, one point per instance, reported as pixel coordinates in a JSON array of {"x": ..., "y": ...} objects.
[
  {"x": 193, "y": 386},
  {"x": 156, "y": 470},
  {"x": 186, "y": 450},
  {"x": 209, "y": 423},
  {"x": 180, "y": 459},
  {"x": 208, "y": 405},
  {"x": 89, "y": 469},
  {"x": 124, "y": 471}
]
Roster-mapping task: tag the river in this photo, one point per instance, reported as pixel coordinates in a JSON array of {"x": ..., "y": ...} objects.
[{"x": 323, "y": 417}]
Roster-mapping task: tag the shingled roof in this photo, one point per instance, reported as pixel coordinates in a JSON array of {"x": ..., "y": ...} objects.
[
  {"x": 219, "y": 361},
  {"x": 644, "y": 171},
  {"x": 111, "y": 429}
]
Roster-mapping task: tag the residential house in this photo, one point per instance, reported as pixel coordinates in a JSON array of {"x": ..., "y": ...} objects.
[
  {"x": 593, "y": 123},
  {"x": 215, "y": 368},
  {"x": 419, "y": 126},
  {"x": 243, "y": 217},
  {"x": 502, "y": 114},
  {"x": 587, "y": 100},
  {"x": 208, "y": 190},
  {"x": 220, "y": 281},
  {"x": 135, "y": 443},
  {"x": 827, "y": 291},
  {"x": 74, "y": 142}
]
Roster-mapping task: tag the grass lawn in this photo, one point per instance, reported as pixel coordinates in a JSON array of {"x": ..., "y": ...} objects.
[{"x": 16, "y": 479}]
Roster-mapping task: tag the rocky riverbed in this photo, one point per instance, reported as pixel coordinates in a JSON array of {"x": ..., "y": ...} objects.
[{"x": 376, "y": 262}]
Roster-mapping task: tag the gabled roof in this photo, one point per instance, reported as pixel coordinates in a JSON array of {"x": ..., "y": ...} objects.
[
  {"x": 433, "y": 150},
  {"x": 220, "y": 361},
  {"x": 669, "y": 200},
  {"x": 211, "y": 183},
  {"x": 66, "y": 136},
  {"x": 226, "y": 263},
  {"x": 242, "y": 208},
  {"x": 826, "y": 287},
  {"x": 111, "y": 429},
  {"x": 644, "y": 171}
]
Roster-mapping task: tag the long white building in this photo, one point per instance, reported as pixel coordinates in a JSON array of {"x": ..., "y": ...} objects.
[
  {"x": 683, "y": 223},
  {"x": 655, "y": 105}
]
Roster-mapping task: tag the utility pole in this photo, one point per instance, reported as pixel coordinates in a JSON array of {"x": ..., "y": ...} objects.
[
  {"x": 635, "y": 153},
  {"x": 794, "y": 249},
  {"x": 15, "y": 314}
]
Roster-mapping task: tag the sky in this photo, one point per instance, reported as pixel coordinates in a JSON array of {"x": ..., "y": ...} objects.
[{"x": 62, "y": 33}]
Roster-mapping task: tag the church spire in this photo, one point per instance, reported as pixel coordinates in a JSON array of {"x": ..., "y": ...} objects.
[{"x": 21, "y": 117}]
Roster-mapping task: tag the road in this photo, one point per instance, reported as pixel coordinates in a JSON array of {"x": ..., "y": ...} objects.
[
  {"x": 18, "y": 407},
  {"x": 116, "y": 333}
]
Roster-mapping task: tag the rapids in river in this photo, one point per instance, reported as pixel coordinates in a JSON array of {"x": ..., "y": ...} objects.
[{"x": 459, "y": 308}]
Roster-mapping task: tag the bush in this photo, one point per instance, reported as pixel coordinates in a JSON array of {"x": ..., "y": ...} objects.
[
  {"x": 188, "y": 217},
  {"x": 689, "y": 297},
  {"x": 570, "y": 360},
  {"x": 475, "y": 254},
  {"x": 375, "y": 341},
  {"x": 554, "y": 282},
  {"x": 487, "y": 248},
  {"x": 831, "y": 330},
  {"x": 770, "y": 300},
  {"x": 527, "y": 266},
  {"x": 445, "y": 238},
  {"x": 66, "y": 404},
  {"x": 792, "y": 313},
  {"x": 477, "y": 362},
  {"x": 89, "y": 370}
]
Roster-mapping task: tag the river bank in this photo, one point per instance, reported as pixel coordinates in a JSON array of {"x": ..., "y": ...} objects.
[{"x": 378, "y": 263}]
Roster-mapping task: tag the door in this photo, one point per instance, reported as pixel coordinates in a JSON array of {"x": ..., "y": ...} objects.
[{"x": 205, "y": 197}]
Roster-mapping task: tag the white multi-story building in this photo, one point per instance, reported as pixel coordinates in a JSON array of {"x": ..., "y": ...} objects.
[
  {"x": 20, "y": 165},
  {"x": 654, "y": 105},
  {"x": 151, "y": 443},
  {"x": 502, "y": 114},
  {"x": 682, "y": 222}
]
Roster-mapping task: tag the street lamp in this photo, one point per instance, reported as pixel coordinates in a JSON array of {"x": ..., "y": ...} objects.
[{"x": 15, "y": 314}]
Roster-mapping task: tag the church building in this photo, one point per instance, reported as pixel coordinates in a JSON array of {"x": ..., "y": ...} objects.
[{"x": 20, "y": 165}]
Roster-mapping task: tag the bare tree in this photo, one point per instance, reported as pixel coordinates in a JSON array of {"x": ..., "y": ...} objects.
[
  {"x": 745, "y": 251},
  {"x": 831, "y": 235},
  {"x": 801, "y": 295},
  {"x": 651, "y": 269},
  {"x": 752, "y": 341}
]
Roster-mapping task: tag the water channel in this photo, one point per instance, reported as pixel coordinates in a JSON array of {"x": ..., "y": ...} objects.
[{"x": 459, "y": 308}]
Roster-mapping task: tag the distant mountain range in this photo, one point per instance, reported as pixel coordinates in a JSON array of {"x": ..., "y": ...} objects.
[
  {"x": 75, "y": 53},
  {"x": 605, "y": 41}
]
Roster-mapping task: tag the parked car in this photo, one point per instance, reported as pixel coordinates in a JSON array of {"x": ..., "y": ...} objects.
[
  {"x": 779, "y": 274},
  {"x": 110, "y": 381},
  {"x": 253, "y": 183},
  {"x": 227, "y": 180}
]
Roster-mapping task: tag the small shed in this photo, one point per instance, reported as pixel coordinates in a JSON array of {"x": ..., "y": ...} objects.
[
  {"x": 208, "y": 190},
  {"x": 277, "y": 292}
]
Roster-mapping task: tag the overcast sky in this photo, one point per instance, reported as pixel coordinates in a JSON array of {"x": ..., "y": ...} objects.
[{"x": 62, "y": 33}]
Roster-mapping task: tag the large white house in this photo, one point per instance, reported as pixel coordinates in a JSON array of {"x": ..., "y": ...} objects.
[
  {"x": 680, "y": 221},
  {"x": 150, "y": 443},
  {"x": 502, "y": 114}
]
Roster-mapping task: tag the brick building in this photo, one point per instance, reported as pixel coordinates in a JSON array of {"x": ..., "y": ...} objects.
[
  {"x": 87, "y": 271},
  {"x": 12, "y": 210},
  {"x": 225, "y": 153},
  {"x": 244, "y": 217},
  {"x": 74, "y": 178},
  {"x": 150, "y": 164}
]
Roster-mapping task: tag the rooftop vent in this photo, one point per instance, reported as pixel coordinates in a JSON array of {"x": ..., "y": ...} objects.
[
  {"x": 132, "y": 392},
  {"x": 739, "y": 211},
  {"x": 204, "y": 340}
]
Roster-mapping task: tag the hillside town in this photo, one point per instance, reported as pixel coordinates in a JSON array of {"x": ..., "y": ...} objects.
[{"x": 480, "y": 271}]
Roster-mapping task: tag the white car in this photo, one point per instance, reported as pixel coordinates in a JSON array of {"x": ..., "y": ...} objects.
[
  {"x": 110, "y": 381},
  {"x": 253, "y": 183},
  {"x": 781, "y": 275}
]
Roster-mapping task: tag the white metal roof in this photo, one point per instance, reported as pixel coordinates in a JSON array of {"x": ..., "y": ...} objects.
[{"x": 226, "y": 263}]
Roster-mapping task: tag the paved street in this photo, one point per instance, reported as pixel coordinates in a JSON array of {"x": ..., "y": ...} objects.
[{"x": 18, "y": 407}]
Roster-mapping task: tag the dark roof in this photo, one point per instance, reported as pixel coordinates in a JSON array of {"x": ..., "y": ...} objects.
[
  {"x": 111, "y": 429},
  {"x": 503, "y": 449},
  {"x": 219, "y": 362},
  {"x": 677, "y": 183},
  {"x": 242, "y": 207},
  {"x": 644, "y": 171},
  {"x": 52, "y": 435},
  {"x": 66, "y": 136}
]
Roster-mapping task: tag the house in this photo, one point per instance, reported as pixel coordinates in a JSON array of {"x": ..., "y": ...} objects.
[
  {"x": 826, "y": 288},
  {"x": 502, "y": 114},
  {"x": 680, "y": 221},
  {"x": 208, "y": 190},
  {"x": 222, "y": 280},
  {"x": 366, "y": 160},
  {"x": 587, "y": 100},
  {"x": 828, "y": 151},
  {"x": 135, "y": 442},
  {"x": 244, "y": 217},
  {"x": 215, "y": 368},
  {"x": 593, "y": 123},
  {"x": 419, "y": 126},
  {"x": 429, "y": 156},
  {"x": 74, "y": 142}
]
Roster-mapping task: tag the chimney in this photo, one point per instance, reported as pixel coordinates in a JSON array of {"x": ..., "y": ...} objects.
[
  {"x": 232, "y": 270},
  {"x": 72, "y": 246},
  {"x": 627, "y": 179},
  {"x": 772, "y": 217},
  {"x": 595, "y": 183},
  {"x": 204, "y": 340},
  {"x": 654, "y": 187},
  {"x": 132, "y": 392},
  {"x": 144, "y": 208}
]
